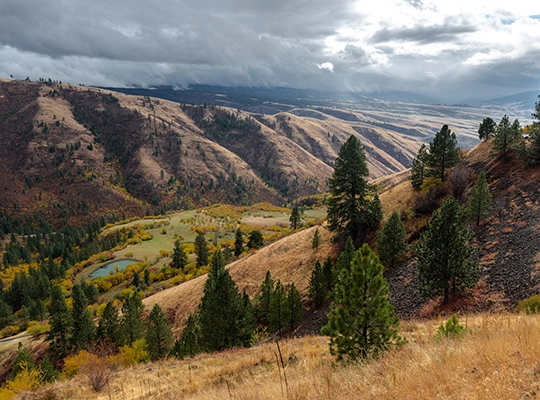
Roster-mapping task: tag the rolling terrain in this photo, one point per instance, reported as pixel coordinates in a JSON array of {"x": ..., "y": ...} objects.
[{"x": 72, "y": 153}]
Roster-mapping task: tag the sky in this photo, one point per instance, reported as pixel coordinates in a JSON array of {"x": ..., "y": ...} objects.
[{"x": 451, "y": 50}]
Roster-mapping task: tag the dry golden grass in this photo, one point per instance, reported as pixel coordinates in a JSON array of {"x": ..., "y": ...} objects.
[
  {"x": 290, "y": 259},
  {"x": 498, "y": 359}
]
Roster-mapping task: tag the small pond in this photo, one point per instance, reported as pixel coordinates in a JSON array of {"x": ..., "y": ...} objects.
[{"x": 108, "y": 268}]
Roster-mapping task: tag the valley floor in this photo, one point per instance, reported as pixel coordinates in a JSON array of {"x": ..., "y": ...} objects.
[{"x": 497, "y": 359}]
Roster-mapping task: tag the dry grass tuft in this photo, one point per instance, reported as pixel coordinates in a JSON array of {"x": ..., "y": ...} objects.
[{"x": 498, "y": 359}]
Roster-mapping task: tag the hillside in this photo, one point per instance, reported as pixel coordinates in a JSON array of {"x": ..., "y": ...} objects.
[
  {"x": 496, "y": 360},
  {"x": 71, "y": 153},
  {"x": 507, "y": 248}
]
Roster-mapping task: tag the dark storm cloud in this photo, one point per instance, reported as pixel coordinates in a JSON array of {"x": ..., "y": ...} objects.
[
  {"x": 332, "y": 45},
  {"x": 422, "y": 34}
]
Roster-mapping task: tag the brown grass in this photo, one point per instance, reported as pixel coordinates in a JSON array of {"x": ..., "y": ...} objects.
[{"x": 498, "y": 359}]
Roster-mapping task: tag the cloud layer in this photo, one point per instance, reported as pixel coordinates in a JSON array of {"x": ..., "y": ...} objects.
[{"x": 449, "y": 51}]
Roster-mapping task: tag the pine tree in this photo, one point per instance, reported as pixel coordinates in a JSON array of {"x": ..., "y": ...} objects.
[
  {"x": 61, "y": 327},
  {"x": 316, "y": 239},
  {"x": 201, "y": 250},
  {"x": 479, "y": 202},
  {"x": 361, "y": 322},
  {"x": 238, "y": 243},
  {"x": 159, "y": 336},
  {"x": 83, "y": 326},
  {"x": 350, "y": 212},
  {"x": 6, "y": 314},
  {"x": 419, "y": 167},
  {"x": 328, "y": 273},
  {"x": 179, "y": 257},
  {"x": 147, "y": 277},
  {"x": 222, "y": 311},
  {"x": 131, "y": 325},
  {"x": 108, "y": 329},
  {"x": 249, "y": 322},
  {"x": 294, "y": 306},
  {"x": 278, "y": 315},
  {"x": 189, "y": 344},
  {"x": 391, "y": 241},
  {"x": 255, "y": 239},
  {"x": 317, "y": 286},
  {"x": 136, "y": 280},
  {"x": 506, "y": 134},
  {"x": 262, "y": 300},
  {"x": 487, "y": 128},
  {"x": 294, "y": 219},
  {"x": 345, "y": 258},
  {"x": 443, "y": 253},
  {"x": 443, "y": 152}
]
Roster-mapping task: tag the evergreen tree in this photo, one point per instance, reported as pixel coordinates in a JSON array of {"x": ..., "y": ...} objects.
[
  {"x": 294, "y": 219},
  {"x": 91, "y": 292},
  {"x": 6, "y": 314},
  {"x": 222, "y": 311},
  {"x": 108, "y": 329},
  {"x": 349, "y": 206},
  {"x": 201, "y": 250},
  {"x": 443, "y": 253},
  {"x": 255, "y": 239},
  {"x": 345, "y": 258},
  {"x": 249, "y": 322},
  {"x": 278, "y": 316},
  {"x": 317, "y": 286},
  {"x": 131, "y": 325},
  {"x": 61, "y": 327},
  {"x": 159, "y": 336},
  {"x": 38, "y": 311},
  {"x": 147, "y": 277},
  {"x": 443, "y": 152},
  {"x": 316, "y": 239},
  {"x": 419, "y": 167},
  {"x": 391, "y": 241},
  {"x": 179, "y": 258},
  {"x": 328, "y": 273},
  {"x": 136, "y": 280},
  {"x": 189, "y": 344},
  {"x": 294, "y": 306},
  {"x": 506, "y": 134},
  {"x": 83, "y": 326},
  {"x": 238, "y": 243},
  {"x": 479, "y": 202},
  {"x": 361, "y": 322},
  {"x": 262, "y": 300},
  {"x": 487, "y": 128}
]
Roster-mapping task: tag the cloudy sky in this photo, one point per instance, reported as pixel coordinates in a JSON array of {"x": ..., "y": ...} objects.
[{"x": 450, "y": 49}]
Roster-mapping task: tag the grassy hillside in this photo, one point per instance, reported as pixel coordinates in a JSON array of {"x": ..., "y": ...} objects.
[{"x": 497, "y": 359}]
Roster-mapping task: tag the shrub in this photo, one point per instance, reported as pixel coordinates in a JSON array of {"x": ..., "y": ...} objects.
[
  {"x": 451, "y": 329},
  {"x": 36, "y": 328},
  {"x": 458, "y": 182},
  {"x": 530, "y": 305},
  {"x": 134, "y": 354}
]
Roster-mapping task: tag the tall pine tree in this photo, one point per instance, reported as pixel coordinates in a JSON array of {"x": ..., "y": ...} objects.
[
  {"x": 391, "y": 241},
  {"x": 222, "y": 312},
  {"x": 294, "y": 219},
  {"x": 159, "y": 336},
  {"x": 443, "y": 152},
  {"x": 59, "y": 336},
  {"x": 83, "y": 325},
  {"x": 201, "y": 250},
  {"x": 294, "y": 306},
  {"x": 317, "y": 285},
  {"x": 179, "y": 257},
  {"x": 131, "y": 325},
  {"x": 350, "y": 209},
  {"x": 262, "y": 300},
  {"x": 238, "y": 243},
  {"x": 278, "y": 315},
  {"x": 108, "y": 329},
  {"x": 506, "y": 135},
  {"x": 479, "y": 202},
  {"x": 361, "y": 322},
  {"x": 443, "y": 253},
  {"x": 419, "y": 168}
]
